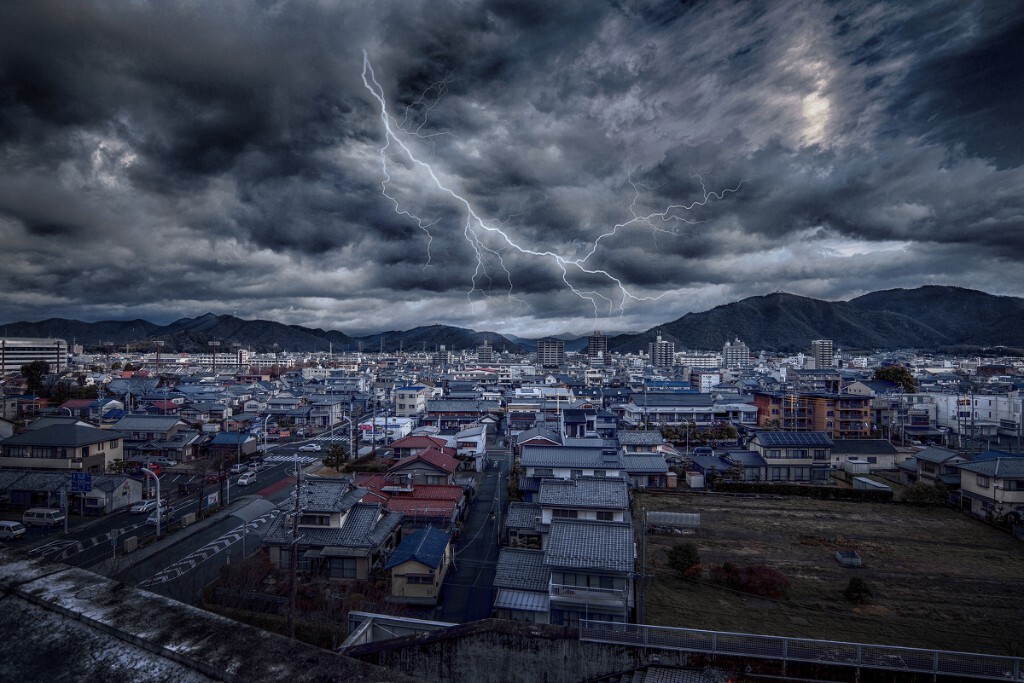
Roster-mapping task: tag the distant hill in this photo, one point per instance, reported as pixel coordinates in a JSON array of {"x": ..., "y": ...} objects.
[
  {"x": 924, "y": 318},
  {"x": 932, "y": 317},
  {"x": 192, "y": 335}
]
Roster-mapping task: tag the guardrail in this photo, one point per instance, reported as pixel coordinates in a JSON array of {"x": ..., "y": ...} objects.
[{"x": 835, "y": 653}]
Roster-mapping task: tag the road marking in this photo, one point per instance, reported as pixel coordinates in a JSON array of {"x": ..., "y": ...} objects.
[
  {"x": 51, "y": 548},
  {"x": 303, "y": 459},
  {"x": 190, "y": 562}
]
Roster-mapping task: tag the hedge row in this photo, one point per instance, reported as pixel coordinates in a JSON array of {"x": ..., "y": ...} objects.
[{"x": 819, "y": 492}]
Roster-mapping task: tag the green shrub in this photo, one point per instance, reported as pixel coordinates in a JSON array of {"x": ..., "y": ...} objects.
[{"x": 683, "y": 556}]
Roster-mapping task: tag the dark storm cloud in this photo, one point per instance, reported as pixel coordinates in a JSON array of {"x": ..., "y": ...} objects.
[{"x": 164, "y": 159}]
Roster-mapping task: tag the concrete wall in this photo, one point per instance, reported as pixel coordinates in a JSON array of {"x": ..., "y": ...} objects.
[{"x": 499, "y": 651}]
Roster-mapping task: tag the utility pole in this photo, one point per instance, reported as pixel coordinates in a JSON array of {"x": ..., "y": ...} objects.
[{"x": 294, "y": 555}]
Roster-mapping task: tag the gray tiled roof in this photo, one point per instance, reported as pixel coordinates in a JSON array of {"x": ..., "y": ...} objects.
[
  {"x": 558, "y": 456},
  {"x": 62, "y": 435},
  {"x": 577, "y": 544},
  {"x": 644, "y": 463},
  {"x": 542, "y": 432},
  {"x": 999, "y": 468},
  {"x": 330, "y": 495},
  {"x": 936, "y": 454},
  {"x": 146, "y": 423},
  {"x": 522, "y": 516},
  {"x": 521, "y": 569},
  {"x": 863, "y": 447},
  {"x": 646, "y": 438},
  {"x": 746, "y": 458},
  {"x": 584, "y": 492},
  {"x": 362, "y": 527}
]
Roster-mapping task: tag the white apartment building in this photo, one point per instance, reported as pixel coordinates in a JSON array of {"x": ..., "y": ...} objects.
[{"x": 18, "y": 351}]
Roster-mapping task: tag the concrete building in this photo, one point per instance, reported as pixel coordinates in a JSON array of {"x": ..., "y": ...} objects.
[
  {"x": 551, "y": 353},
  {"x": 662, "y": 352},
  {"x": 821, "y": 352},
  {"x": 597, "y": 349},
  {"x": 18, "y": 351},
  {"x": 735, "y": 354}
]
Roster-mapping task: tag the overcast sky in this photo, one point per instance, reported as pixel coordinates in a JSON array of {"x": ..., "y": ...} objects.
[{"x": 527, "y": 168}]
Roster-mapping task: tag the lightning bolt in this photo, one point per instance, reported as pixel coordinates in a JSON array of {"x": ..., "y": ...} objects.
[{"x": 476, "y": 228}]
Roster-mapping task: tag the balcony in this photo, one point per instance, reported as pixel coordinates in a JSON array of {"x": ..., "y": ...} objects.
[{"x": 618, "y": 597}]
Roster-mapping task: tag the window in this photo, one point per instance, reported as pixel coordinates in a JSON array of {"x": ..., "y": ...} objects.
[
  {"x": 820, "y": 454},
  {"x": 798, "y": 453},
  {"x": 600, "y": 473},
  {"x": 872, "y": 459},
  {"x": 604, "y": 516},
  {"x": 773, "y": 453},
  {"x": 927, "y": 467},
  {"x": 982, "y": 481},
  {"x": 543, "y": 472},
  {"x": 343, "y": 567},
  {"x": 564, "y": 514},
  {"x": 576, "y": 473},
  {"x": 419, "y": 579},
  {"x": 112, "y": 444}
]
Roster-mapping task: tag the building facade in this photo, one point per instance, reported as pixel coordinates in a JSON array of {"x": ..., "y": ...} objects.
[{"x": 18, "y": 351}]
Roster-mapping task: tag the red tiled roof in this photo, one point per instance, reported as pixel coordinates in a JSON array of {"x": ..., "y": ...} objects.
[
  {"x": 420, "y": 441},
  {"x": 75, "y": 403},
  {"x": 431, "y": 456}
]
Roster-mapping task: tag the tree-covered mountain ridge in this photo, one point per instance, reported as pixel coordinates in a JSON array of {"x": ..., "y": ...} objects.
[{"x": 927, "y": 318}]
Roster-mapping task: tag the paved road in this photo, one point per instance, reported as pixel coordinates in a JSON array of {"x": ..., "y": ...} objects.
[{"x": 467, "y": 593}]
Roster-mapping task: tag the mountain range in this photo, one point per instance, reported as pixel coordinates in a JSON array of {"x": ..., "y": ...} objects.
[{"x": 926, "y": 318}]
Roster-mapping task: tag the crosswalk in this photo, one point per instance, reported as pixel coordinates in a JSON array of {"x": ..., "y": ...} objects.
[
  {"x": 196, "y": 558},
  {"x": 62, "y": 550},
  {"x": 301, "y": 457}
]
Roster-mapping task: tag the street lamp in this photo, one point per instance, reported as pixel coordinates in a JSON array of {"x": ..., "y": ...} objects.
[{"x": 149, "y": 473}]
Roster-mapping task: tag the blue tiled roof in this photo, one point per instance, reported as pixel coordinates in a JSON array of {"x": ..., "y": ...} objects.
[{"x": 425, "y": 546}]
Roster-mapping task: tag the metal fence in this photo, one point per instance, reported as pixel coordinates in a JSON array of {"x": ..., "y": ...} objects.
[{"x": 836, "y": 653}]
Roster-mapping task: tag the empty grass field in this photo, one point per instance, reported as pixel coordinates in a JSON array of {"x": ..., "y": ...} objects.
[{"x": 939, "y": 579}]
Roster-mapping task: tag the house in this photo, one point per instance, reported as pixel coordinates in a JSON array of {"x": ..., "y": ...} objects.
[
  {"x": 471, "y": 444},
  {"x": 794, "y": 456},
  {"x": 430, "y": 466},
  {"x": 539, "y": 435},
  {"x": 880, "y": 454},
  {"x": 591, "y": 565},
  {"x": 994, "y": 487},
  {"x": 438, "y": 505},
  {"x": 751, "y": 466},
  {"x": 594, "y": 498},
  {"x": 641, "y": 441},
  {"x": 933, "y": 465},
  {"x": 63, "y": 447},
  {"x": 522, "y": 525},
  {"x": 233, "y": 446},
  {"x": 417, "y": 443},
  {"x": 585, "y": 571},
  {"x": 643, "y": 470},
  {"x": 156, "y": 436},
  {"x": 451, "y": 416},
  {"x": 419, "y": 565},
  {"x": 30, "y": 488},
  {"x": 521, "y": 583},
  {"x": 339, "y": 537},
  {"x": 411, "y": 401}
]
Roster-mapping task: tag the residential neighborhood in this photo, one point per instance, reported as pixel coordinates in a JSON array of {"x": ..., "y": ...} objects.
[{"x": 445, "y": 488}]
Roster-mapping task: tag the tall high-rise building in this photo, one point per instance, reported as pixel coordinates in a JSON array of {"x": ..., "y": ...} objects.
[
  {"x": 821, "y": 351},
  {"x": 485, "y": 353},
  {"x": 735, "y": 354},
  {"x": 662, "y": 352},
  {"x": 551, "y": 353},
  {"x": 597, "y": 349}
]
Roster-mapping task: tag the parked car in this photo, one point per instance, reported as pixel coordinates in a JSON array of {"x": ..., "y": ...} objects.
[
  {"x": 188, "y": 487},
  {"x": 167, "y": 462},
  {"x": 43, "y": 517},
  {"x": 247, "y": 478},
  {"x": 239, "y": 468},
  {"x": 144, "y": 506},
  {"x": 10, "y": 530},
  {"x": 704, "y": 450},
  {"x": 310, "y": 448},
  {"x": 213, "y": 477}
]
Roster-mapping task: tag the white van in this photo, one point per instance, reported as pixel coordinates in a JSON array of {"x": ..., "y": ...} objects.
[
  {"x": 43, "y": 517},
  {"x": 11, "y": 530}
]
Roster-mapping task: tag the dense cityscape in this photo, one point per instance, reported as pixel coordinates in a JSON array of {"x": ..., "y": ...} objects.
[
  {"x": 501, "y": 341},
  {"x": 339, "y": 497}
]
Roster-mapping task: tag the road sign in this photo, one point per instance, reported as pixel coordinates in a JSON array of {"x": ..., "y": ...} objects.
[{"x": 81, "y": 482}]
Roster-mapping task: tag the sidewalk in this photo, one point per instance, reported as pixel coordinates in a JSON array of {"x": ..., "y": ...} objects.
[{"x": 125, "y": 561}]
